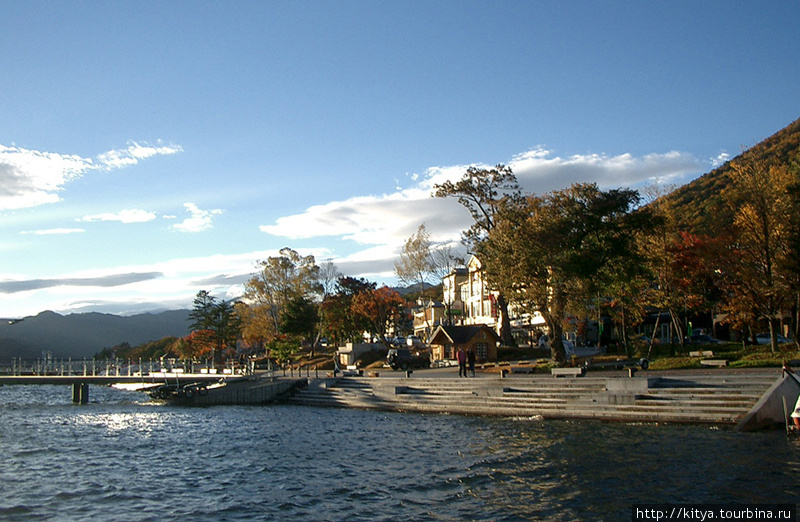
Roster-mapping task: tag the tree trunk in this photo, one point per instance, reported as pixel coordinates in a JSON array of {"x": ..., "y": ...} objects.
[
  {"x": 554, "y": 318},
  {"x": 505, "y": 325},
  {"x": 795, "y": 325},
  {"x": 557, "y": 352},
  {"x": 773, "y": 335},
  {"x": 678, "y": 328},
  {"x": 625, "y": 333},
  {"x": 655, "y": 332}
]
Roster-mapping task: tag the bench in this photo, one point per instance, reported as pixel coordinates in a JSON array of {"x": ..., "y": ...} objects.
[
  {"x": 714, "y": 362},
  {"x": 568, "y": 372},
  {"x": 705, "y": 353}
]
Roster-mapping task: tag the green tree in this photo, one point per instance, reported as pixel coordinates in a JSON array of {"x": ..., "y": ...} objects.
[
  {"x": 482, "y": 192},
  {"x": 202, "y": 309},
  {"x": 339, "y": 321},
  {"x": 554, "y": 252},
  {"x": 215, "y": 322},
  {"x": 283, "y": 349},
  {"x": 300, "y": 318},
  {"x": 227, "y": 326}
]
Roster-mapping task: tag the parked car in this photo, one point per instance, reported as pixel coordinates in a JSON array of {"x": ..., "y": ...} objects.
[
  {"x": 404, "y": 359},
  {"x": 703, "y": 339},
  {"x": 569, "y": 348},
  {"x": 414, "y": 341},
  {"x": 764, "y": 338}
]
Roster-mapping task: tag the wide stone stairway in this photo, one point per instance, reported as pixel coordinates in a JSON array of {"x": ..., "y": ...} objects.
[{"x": 722, "y": 398}]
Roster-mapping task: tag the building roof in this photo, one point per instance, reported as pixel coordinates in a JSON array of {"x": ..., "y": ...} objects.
[{"x": 461, "y": 334}]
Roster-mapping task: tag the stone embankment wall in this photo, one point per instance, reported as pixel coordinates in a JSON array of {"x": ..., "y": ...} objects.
[
  {"x": 255, "y": 390},
  {"x": 716, "y": 397}
]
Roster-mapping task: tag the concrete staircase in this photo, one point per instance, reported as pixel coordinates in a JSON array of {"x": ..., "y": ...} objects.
[{"x": 720, "y": 399}]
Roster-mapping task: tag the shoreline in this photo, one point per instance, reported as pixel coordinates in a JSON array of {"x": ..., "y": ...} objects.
[{"x": 719, "y": 396}]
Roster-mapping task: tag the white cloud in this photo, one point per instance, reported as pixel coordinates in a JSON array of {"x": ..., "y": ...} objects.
[
  {"x": 123, "y": 216},
  {"x": 377, "y": 225},
  {"x": 539, "y": 172},
  {"x": 171, "y": 283},
  {"x": 198, "y": 220},
  {"x": 29, "y": 178},
  {"x": 133, "y": 153},
  {"x": 54, "y": 231},
  {"x": 721, "y": 158},
  {"x": 387, "y": 220}
]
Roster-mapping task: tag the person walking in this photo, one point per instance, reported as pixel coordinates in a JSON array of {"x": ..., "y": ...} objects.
[
  {"x": 471, "y": 361},
  {"x": 462, "y": 362}
]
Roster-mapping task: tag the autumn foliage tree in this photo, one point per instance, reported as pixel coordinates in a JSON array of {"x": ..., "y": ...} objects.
[
  {"x": 283, "y": 279},
  {"x": 380, "y": 309},
  {"x": 760, "y": 198}
]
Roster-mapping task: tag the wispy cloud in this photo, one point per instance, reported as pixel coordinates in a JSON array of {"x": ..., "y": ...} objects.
[
  {"x": 123, "y": 216},
  {"x": 133, "y": 153},
  {"x": 29, "y": 178},
  {"x": 165, "y": 284},
  {"x": 53, "y": 231},
  {"x": 198, "y": 219},
  {"x": 11, "y": 287}
]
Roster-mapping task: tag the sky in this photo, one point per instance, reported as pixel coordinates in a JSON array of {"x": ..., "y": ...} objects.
[{"x": 150, "y": 150}]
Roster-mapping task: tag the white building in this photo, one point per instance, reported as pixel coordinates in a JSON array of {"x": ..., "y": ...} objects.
[{"x": 469, "y": 301}]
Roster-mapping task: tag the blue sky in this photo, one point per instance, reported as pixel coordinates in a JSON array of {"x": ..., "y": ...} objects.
[{"x": 149, "y": 150}]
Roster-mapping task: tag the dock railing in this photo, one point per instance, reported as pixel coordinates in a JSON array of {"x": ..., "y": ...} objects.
[{"x": 121, "y": 367}]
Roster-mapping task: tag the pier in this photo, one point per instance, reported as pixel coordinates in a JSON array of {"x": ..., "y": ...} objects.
[
  {"x": 140, "y": 376},
  {"x": 80, "y": 383}
]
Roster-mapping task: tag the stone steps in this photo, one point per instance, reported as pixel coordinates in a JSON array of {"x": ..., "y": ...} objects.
[{"x": 705, "y": 399}]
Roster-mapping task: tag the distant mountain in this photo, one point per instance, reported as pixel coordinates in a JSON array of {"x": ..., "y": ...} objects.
[
  {"x": 83, "y": 335},
  {"x": 699, "y": 206}
]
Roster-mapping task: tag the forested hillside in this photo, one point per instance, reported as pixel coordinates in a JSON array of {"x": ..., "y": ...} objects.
[
  {"x": 699, "y": 206},
  {"x": 83, "y": 335}
]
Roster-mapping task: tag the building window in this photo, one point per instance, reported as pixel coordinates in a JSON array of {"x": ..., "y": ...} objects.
[
  {"x": 448, "y": 351},
  {"x": 482, "y": 351}
]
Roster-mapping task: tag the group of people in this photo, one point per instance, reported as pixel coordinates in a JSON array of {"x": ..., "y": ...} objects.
[{"x": 465, "y": 358}]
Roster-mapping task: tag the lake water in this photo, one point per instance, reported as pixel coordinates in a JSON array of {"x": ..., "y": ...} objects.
[{"x": 124, "y": 458}]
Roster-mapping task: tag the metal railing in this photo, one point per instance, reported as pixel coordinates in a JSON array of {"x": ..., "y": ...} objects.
[{"x": 122, "y": 367}]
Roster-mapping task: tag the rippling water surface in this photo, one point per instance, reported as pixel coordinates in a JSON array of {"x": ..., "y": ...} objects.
[{"x": 123, "y": 458}]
